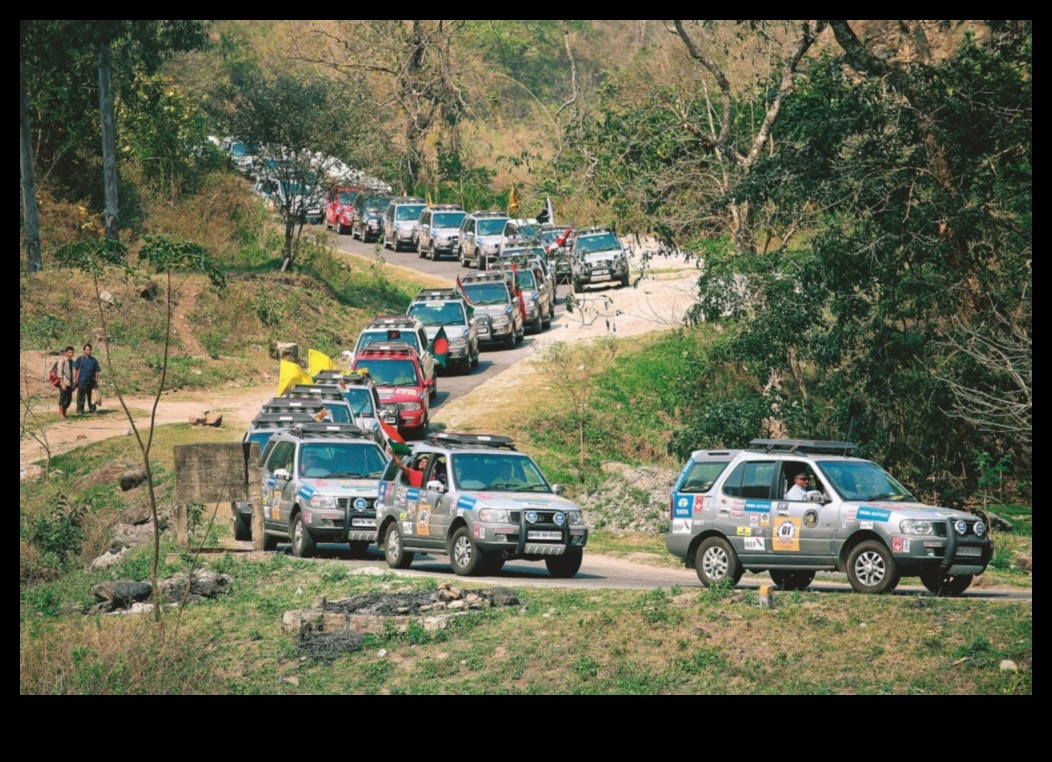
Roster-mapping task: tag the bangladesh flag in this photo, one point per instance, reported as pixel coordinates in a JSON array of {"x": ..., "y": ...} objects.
[
  {"x": 395, "y": 441},
  {"x": 440, "y": 346}
]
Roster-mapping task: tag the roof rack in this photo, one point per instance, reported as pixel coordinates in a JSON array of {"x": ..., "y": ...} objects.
[
  {"x": 286, "y": 404},
  {"x": 325, "y": 430},
  {"x": 280, "y": 420},
  {"x": 436, "y": 294},
  {"x": 483, "y": 275},
  {"x": 389, "y": 346},
  {"x": 804, "y": 446},
  {"x": 446, "y": 208},
  {"x": 397, "y": 320},
  {"x": 321, "y": 391},
  {"x": 473, "y": 440},
  {"x": 489, "y": 213}
]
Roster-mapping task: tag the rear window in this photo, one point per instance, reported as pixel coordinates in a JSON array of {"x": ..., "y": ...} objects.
[
  {"x": 701, "y": 476},
  {"x": 750, "y": 480}
]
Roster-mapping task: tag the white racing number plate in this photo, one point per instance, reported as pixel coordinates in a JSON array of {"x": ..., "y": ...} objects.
[
  {"x": 363, "y": 523},
  {"x": 538, "y": 534},
  {"x": 970, "y": 552},
  {"x": 601, "y": 275}
]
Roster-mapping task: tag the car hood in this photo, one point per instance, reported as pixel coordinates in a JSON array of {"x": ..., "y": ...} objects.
[
  {"x": 514, "y": 501},
  {"x": 339, "y": 487},
  {"x": 452, "y": 331},
  {"x": 877, "y": 510},
  {"x": 445, "y": 231},
  {"x": 492, "y": 309},
  {"x": 601, "y": 256},
  {"x": 399, "y": 393}
]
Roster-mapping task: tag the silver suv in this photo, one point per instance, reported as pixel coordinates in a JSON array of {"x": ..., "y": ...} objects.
[
  {"x": 795, "y": 507},
  {"x": 438, "y": 230},
  {"x": 597, "y": 256},
  {"x": 499, "y": 311},
  {"x": 481, "y": 233},
  {"x": 400, "y": 222},
  {"x": 320, "y": 485},
  {"x": 481, "y": 503},
  {"x": 445, "y": 310}
]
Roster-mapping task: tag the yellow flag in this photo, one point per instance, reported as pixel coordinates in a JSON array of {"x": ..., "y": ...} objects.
[
  {"x": 513, "y": 202},
  {"x": 317, "y": 362},
  {"x": 290, "y": 375}
]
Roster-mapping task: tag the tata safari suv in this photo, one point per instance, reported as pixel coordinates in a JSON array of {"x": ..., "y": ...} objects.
[
  {"x": 597, "y": 256},
  {"x": 482, "y": 503},
  {"x": 400, "y": 222},
  {"x": 499, "y": 311},
  {"x": 395, "y": 369},
  {"x": 734, "y": 510},
  {"x": 445, "y": 309},
  {"x": 438, "y": 231}
]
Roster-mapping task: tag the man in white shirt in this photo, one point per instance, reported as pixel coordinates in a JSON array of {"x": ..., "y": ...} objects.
[{"x": 799, "y": 489}]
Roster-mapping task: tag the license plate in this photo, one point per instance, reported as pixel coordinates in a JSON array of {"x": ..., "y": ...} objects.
[
  {"x": 363, "y": 523},
  {"x": 484, "y": 332},
  {"x": 538, "y": 534},
  {"x": 600, "y": 276},
  {"x": 970, "y": 552},
  {"x": 390, "y": 418}
]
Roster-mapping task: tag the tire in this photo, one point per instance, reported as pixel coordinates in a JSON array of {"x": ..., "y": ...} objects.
[
  {"x": 434, "y": 387},
  {"x": 520, "y": 336},
  {"x": 359, "y": 548},
  {"x": 946, "y": 586},
  {"x": 460, "y": 256},
  {"x": 567, "y": 565},
  {"x": 270, "y": 543},
  {"x": 475, "y": 358},
  {"x": 242, "y": 528},
  {"x": 303, "y": 545},
  {"x": 871, "y": 569},
  {"x": 717, "y": 563},
  {"x": 792, "y": 580},
  {"x": 512, "y": 341},
  {"x": 431, "y": 252},
  {"x": 464, "y": 556},
  {"x": 624, "y": 281},
  {"x": 395, "y": 554},
  {"x": 537, "y": 326}
]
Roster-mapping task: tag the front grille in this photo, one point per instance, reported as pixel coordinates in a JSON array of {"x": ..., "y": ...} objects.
[
  {"x": 940, "y": 528},
  {"x": 543, "y": 517},
  {"x": 347, "y": 504}
]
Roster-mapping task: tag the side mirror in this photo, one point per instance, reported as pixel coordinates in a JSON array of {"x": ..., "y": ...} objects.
[
  {"x": 436, "y": 486},
  {"x": 430, "y": 382},
  {"x": 281, "y": 473},
  {"x": 815, "y": 496},
  {"x": 557, "y": 489}
]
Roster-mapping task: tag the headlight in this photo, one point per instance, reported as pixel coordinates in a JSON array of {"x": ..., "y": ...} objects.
[
  {"x": 914, "y": 526},
  {"x": 980, "y": 529},
  {"x": 461, "y": 342},
  {"x": 493, "y": 516},
  {"x": 323, "y": 503},
  {"x": 501, "y": 320},
  {"x": 410, "y": 406},
  {"x": 576, "y": 518}
]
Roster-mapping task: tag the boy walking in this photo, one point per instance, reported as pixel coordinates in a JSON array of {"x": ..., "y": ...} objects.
[{"x": 65, "y": 387}]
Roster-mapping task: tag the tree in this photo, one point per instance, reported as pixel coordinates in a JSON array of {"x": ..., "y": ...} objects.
[
  {"x": 27, "y": 173},
  {"x": 165, "y": 257},
  {"x": 297, "y": 128}
]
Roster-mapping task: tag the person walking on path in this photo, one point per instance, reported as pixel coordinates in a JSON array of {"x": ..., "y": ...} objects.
[
  {"x": 86, "y": 372},
  {"x": 65, "y": 382}
]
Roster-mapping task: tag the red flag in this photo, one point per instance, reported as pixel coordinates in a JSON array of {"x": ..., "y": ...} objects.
[
  {"x": 391, "y": 433},
  {"x": 561, "y": 240},
  {"x": 463, "y": 293}
]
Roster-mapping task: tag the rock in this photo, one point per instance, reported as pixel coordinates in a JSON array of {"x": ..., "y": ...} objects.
[
  {"x": 287, "y": 351},
  {"x": 107, "y": 559},
  {"x": 122, "y": 594},
  {"x": 505, "y": 597},
  {"x": 213, "y": 419},
  {"x": 147, "y": 290},
  {"x": 203, "y": 583},
  {"x": 382, "y": 653},
  {"x": 107, "y": 297},
  {"x": 368, "y": 571},
  {"x": 1007, "y": 665},
  {"x": 132, "y": 478},
  {"x": 1025, "y": 563},
  {"x": 31, "y": 473}
]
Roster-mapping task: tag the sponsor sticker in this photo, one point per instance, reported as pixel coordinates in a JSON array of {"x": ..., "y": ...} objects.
[
  {"x": 466, "y": 502},
  {"x": 765, "y": 520},
  {"x": 745, "y": 531},
  {"x": 872, "y": 513},
  {"x": 479, "y": 532},
  {"x": 786, "y": 534},
  {"x": 810, "y": 518},
  {"x": 865, "y": 525},
  {"x": 681, "y": 526},
  {"x": 407, "y": 527},
  {"x": 896, "y": 544},
  {"x": 759, "y": 532},
  {"x": 932, "y": 544},
  {"x": 699, "y": 503},
  {"x": 682, "y": 509},
  {"x": 758, "y": 506},
  {"x": 754, "y": 520},
  {"x": 783, "y": 506},
  {"x": 403, "y": 516},
  {"x": 755, "y": 543},
  {"x": 423, "y": 522}
]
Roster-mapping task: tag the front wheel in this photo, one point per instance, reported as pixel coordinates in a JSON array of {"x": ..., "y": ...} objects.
[
  {"x": 871, "y": 568},
  {"x": 465, "y": 558},
  {"x": 394, "y": 549},
  {"x": 359, "y": 548},
  {"x": 303, "y": 544},
  {"x": 948, "y": 586},
  {"x": 792, "y": 580},
  {"x": 566, "y": 565},
  {"x": 717, "y": 563}
]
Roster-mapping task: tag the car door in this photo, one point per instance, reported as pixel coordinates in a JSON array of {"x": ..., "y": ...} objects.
[
  {"x": 806, "y": 530},
  {"x": 423, "y": 230},
  {"x": 427, "y": 360},
  {"x": 743, "y": 509},
  {"x": 436, "y": 502},
  {"x": 277, "y": 500}
]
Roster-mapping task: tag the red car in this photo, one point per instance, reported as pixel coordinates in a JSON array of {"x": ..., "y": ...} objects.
[
  {"x": 404, "y": 392},
  {"x": 339, "y": 207}
]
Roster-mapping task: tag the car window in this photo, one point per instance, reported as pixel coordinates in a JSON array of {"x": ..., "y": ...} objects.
[
  {"x": 499, "y": 472},
  {"x": 447, "y": 219},
  {"x": 591, "y": 243},
  {"x": 281, "y": 457},
  {"x": 391, "y": 372},
  {"x": 405, "y": 212},
  {"x": 491, "y": 227},
  {"x": 750, "y": 479},
  {"x": 701, "y": 476},
  {"x": 438, "y": 313},
  {"x": 360, "y": 400},
  {"x": 487, "y": 293}
]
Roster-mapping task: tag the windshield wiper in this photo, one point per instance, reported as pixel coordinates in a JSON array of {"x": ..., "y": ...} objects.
[
  {"x": 347, "y": 475},
  {"x": 887, "y": 496}
]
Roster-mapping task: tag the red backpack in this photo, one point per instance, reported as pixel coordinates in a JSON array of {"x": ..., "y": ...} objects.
[{"x": 53, "y": 377}]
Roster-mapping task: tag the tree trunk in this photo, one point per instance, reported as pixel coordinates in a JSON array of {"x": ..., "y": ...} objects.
[
  {"x": 109, "y": 144},
  {"x": 29, "y": 182}
]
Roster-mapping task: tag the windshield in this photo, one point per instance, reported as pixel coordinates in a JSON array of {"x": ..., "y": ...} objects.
[
  {"x": 343, "y": 460},
  {"x": 604, "y": 242},
  {"x": 348, "y": 198},
  {"x": 447, "y": 219},
  {"x": 407, "y": 212},
  {"x": 528, "y": 231},
  {"x": 862, "y": 480},
  {"x": 391, "y": 372},
  {"x": 361, "y": 401},
  {"x": 375, "y": 203},
  {"x": 338, "y": 411},
  {"x": 498, "y": 472},
  {"x": 702, "y": 476},
  {"x": 261, "y": 437},
  {"x": 438, "y": 313},
  {"x": 487, "y": 293},
  {"x": 491, "y": 226},
  {"x": 405, "y": 335},
  {"x": 526, "y": 281}
]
